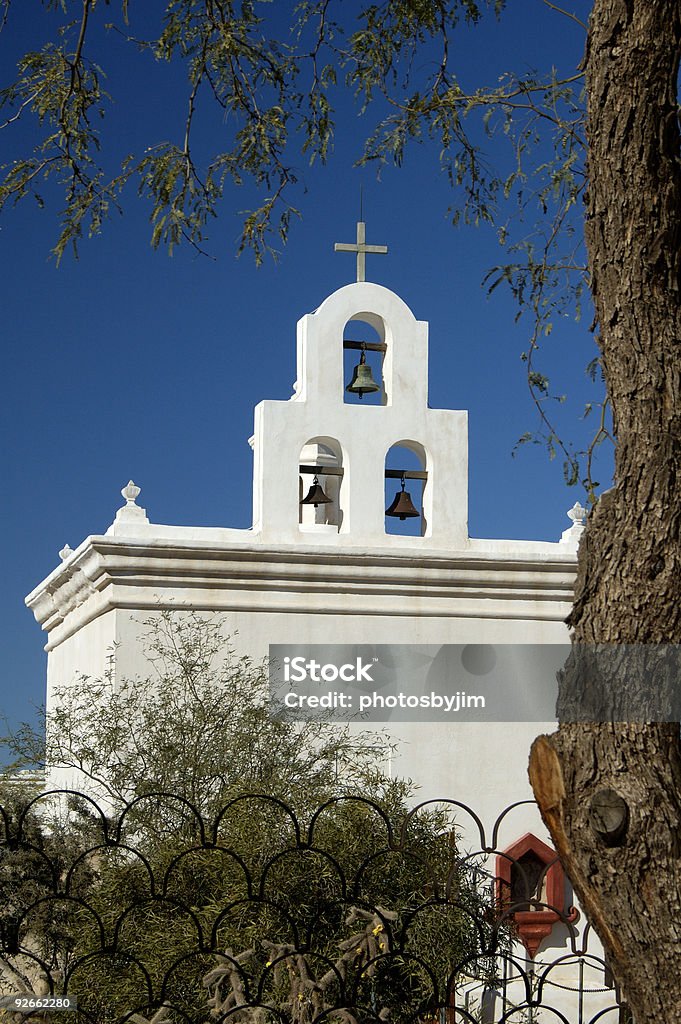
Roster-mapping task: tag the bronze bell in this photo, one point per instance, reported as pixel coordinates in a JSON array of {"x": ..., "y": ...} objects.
[
  {"x": 362, "y": 382},
  {"x": 402, "y": 506},
  {"x": 315, "y": 496}
]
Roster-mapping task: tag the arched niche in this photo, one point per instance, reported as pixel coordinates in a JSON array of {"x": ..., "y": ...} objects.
[
  {"x": 365, "y": 329},
  {"x": 321, "y": 457},
  {"x": 530, "y": 884},
  {"x": 408, "y": 457}
]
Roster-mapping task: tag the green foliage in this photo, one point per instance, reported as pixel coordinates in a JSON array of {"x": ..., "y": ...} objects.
[
  {"x": 200, "y": 729},
  {"x": 276, "y": 94},
  {"x": 283, "y": 911},
  {"x": 38, "y": 934},
  {"x": 318, "y": 885}
]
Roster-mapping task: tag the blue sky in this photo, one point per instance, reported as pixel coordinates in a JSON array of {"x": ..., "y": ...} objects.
[{"x": 130, "y": 364}]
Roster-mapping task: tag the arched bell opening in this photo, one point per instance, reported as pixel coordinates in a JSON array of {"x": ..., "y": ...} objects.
[
  {"x": 320, "y": 485},
  {"x": 406, "y": 478},
  {"x": 364, "y": 351}
]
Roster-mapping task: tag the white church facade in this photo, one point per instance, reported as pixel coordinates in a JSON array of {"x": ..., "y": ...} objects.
[{"x": 331, "y": 572}]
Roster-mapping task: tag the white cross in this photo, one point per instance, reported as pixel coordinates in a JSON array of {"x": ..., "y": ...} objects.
[{"x": 361, "y": 248}]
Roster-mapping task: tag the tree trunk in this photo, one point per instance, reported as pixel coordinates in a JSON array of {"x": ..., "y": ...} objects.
[{"x": 629, "y": 576}]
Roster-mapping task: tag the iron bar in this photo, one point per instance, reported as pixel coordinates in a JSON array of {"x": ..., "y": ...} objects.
[
  {"x": 321, "y": 470},
  {"x": 370, "y": 346},
  {"x": 408, "y": 474}
]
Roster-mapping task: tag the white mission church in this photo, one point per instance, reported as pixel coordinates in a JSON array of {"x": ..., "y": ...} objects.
[{"x": 321, "y": 564}]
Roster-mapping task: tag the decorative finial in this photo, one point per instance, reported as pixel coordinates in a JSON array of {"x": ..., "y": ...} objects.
[
  {"x": 572, "y": 535},
  {"x": 130, "y": 513},
  {"x": 65, "y": 552},
  {"x": 577, "y": 514},
  {"x": 361, "y": 248},
  {"x": 131, "y": 492}
]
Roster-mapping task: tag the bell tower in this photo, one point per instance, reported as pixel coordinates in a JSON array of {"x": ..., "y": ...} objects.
[{"x": 320, "y": 457}]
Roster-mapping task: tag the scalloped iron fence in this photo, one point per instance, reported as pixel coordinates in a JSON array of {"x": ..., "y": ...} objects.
[{"x": 153, "y": 913}]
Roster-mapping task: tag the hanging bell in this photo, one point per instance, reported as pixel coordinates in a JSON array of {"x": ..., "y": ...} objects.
[
  {"x": 362, "y": 382},
  {"x": 402, "y": 506},
  {"x": 315, "y": 496}
]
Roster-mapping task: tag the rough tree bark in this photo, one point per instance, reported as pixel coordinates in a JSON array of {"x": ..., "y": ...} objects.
[{"x": 629, "y": 576}]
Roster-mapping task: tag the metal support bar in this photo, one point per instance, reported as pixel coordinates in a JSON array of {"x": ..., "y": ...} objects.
[
  {"x": 390, "y": 474},
  {"x": 321, "y": 470},
  {"x": 370, "y": 346},
  {"x": 408, "y": 474}
]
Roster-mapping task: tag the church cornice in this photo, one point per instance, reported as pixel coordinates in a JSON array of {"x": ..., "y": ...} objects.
[{"x": 107, "y": 573}]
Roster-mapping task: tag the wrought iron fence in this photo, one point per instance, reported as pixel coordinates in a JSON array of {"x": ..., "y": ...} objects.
[{"x": 156, "y": 912}]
